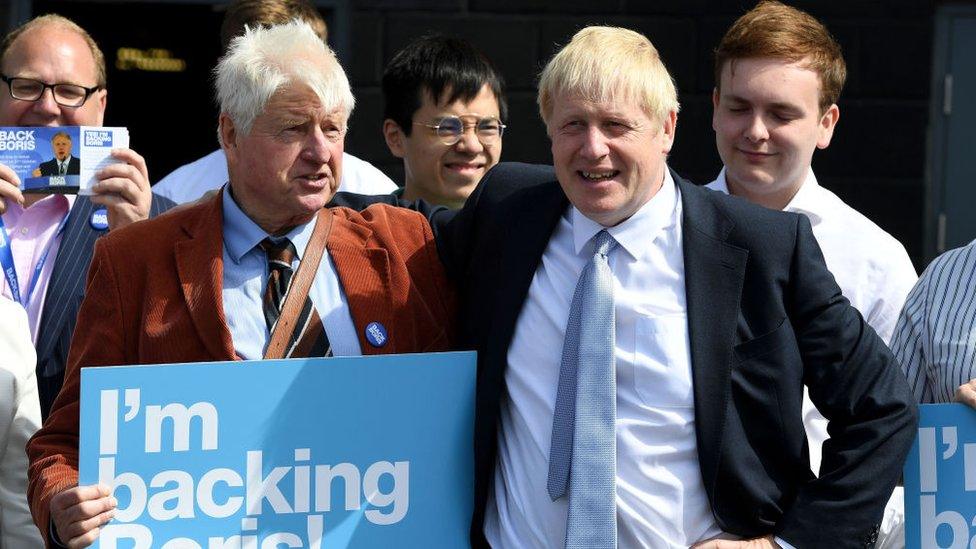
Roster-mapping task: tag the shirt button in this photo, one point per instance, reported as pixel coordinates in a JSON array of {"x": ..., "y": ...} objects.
[{"x": 24, "y": 230}]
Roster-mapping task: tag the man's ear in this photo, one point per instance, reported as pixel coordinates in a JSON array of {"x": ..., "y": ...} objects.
[
  {"x": 394, "y": 138},
  {"x": 670, "y": 126},
  {"x": 101, "y": 96},
  {"x": 715, "y": 99},
  {"x": 228, "y": 135},
  {"x": 828, "y": 121}
]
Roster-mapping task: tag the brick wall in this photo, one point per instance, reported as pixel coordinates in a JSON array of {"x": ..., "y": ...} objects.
[{"x": 875, "y": 163}]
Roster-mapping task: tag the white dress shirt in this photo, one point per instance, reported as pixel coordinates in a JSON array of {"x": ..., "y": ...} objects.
[
  {"x": 874, "y": 273},
  {"x": 20, "y": 417},
  {"x": 661, "y": 501},
  {"x": 191, "y": 181}
]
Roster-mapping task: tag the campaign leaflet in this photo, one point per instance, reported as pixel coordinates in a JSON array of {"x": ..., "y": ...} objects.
[
  {"x": 940, "y": 479},
  {"x": 361, "y": 452},
  {"x": 59, "y": 159}
]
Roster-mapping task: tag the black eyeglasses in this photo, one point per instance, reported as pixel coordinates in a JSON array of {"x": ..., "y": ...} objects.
[
  {"x": 450, "y": 128},
  {"x": 66, "y": 95}
]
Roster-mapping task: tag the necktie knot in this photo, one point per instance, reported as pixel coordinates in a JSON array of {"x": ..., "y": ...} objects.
[
  {"x": 282, "y": 252},
  {"x": 604, "y": 243}
]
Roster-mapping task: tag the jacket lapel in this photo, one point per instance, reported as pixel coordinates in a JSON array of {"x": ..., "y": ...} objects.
[
  {"x": 714, "y": 272},
  {"x": 364, "y": 272},
  {"x": 199, "y": 262},
  {"x": 531, "y": 219}
]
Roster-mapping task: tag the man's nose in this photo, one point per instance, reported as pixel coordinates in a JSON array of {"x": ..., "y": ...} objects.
[
  {"x": 595, "y": 144},
  {"x": 757, "y": 129},
  {"x": 318, "y": 147},
  {"x": 46, "y": 103},
  {"x": 469, "y": 142}
]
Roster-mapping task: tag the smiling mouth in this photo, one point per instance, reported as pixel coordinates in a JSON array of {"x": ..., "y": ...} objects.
[
  {"x": 756, "y": 154},
  {"x": 598, "y": 176},
  {"x": 463, "y": 166}
]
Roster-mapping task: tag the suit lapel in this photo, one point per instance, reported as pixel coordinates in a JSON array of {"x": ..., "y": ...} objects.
[
  {"x": 199, "y": 263},
  {"x": 364, "y": 272},
  {"x": 714, "y": 272},
  {"x": 67, "y": 283},
  {"x": 532, "y": 218}
]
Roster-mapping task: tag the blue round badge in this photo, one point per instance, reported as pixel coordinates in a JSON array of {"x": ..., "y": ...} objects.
[
  {"x": 376, "y": 334},
  {"x": 99, "y": 219}
]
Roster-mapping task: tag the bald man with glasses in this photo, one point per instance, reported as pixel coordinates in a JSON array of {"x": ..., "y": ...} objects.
[{"x": 53, "y": 74}]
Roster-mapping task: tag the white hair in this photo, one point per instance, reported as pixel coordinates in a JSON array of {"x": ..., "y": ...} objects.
[{"x": 263, "y": 59}]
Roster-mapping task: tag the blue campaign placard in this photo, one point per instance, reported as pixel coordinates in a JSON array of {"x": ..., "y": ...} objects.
[
  {"x": 318, "y": 453},
  {"x": 940, "y": 479},
  {"x": 36, "y": 155}
]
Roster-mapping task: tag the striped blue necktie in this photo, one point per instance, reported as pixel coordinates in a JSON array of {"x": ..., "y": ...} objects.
[{"x": 583, "y": 453}]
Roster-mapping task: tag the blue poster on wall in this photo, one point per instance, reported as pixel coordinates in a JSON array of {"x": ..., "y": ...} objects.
[
  {"x": 315, "y": 453},
  {"x": 940, "y": 479}
]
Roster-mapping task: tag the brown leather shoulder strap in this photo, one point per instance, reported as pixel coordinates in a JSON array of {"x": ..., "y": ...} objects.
[{"x": 300, "y": 284}]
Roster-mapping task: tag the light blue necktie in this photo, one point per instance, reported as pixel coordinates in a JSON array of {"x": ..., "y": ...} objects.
[{"x": 584, "y": 422}]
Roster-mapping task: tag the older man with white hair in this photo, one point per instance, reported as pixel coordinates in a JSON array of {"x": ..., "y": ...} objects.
[{"x": 215, "y": 281}]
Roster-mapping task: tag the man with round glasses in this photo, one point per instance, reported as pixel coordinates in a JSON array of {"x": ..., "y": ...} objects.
[
  {"x": 53, "y": 74},
  {"x": 443, "y": 110}
]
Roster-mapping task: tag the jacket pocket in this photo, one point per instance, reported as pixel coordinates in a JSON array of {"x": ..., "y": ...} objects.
[{"x": 756, "y": 347}]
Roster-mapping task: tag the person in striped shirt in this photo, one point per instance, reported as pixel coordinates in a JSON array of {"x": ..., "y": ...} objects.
[{"x": 935, "y": 337}]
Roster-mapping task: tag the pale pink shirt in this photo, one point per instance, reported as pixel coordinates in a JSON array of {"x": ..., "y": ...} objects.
[{"x": 32, "y": 231}]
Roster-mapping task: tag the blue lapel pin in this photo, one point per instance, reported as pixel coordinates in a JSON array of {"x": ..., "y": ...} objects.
[
  {"x": 376, "y": 334},
  {"x": 99, "y": 219}
]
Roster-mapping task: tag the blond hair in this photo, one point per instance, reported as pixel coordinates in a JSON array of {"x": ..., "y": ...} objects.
[{"x": 609, "y": 64}]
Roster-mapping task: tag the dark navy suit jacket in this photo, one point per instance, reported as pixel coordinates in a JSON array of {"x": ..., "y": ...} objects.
[
  {"x": 765, "y": 318},
  {"x": 65, "y": 290},
  {"x": 51, "y": 167}
]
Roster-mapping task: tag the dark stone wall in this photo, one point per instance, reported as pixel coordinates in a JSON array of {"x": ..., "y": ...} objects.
[{"x": 876, "y": 161}]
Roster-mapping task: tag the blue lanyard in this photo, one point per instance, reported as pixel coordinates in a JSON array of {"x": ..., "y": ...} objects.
[{"x": 7, "y": 262}]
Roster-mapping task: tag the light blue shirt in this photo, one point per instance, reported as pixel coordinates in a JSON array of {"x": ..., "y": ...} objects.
[{"x": 246, "y": 275}]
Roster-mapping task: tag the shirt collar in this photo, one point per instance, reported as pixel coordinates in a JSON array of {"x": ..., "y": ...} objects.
[
  {"x": 242, "y": 234},
  {"x": 658, "y": 214},
  {"x": 809, "y": 200},
  {"x": 720, "y": 183},
  {"x": 57, "y": 204}
]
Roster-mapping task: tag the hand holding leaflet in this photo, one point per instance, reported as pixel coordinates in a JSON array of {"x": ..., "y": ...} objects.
[{"x": 9, "y": 187}]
